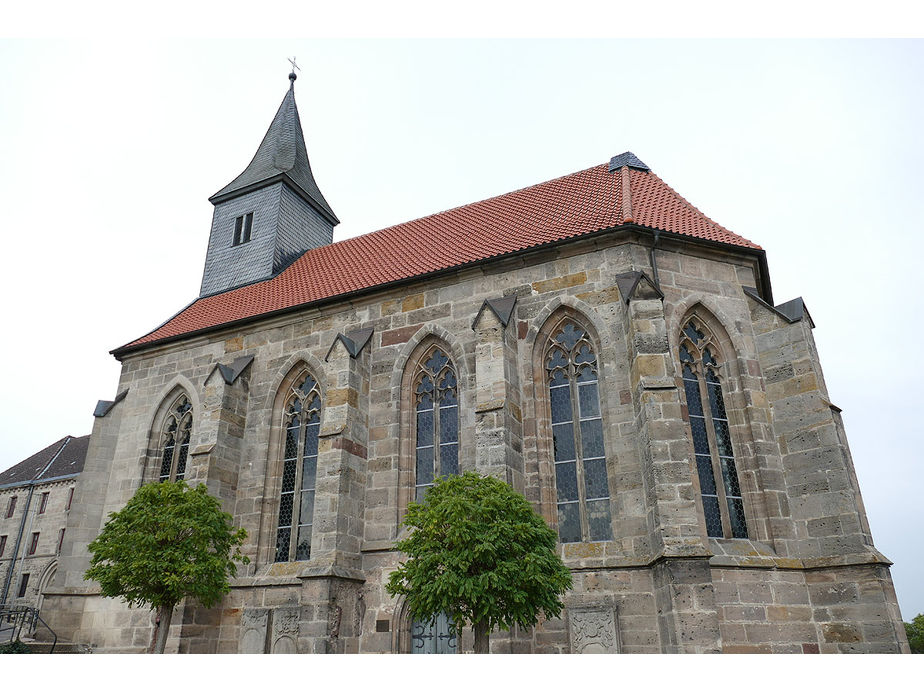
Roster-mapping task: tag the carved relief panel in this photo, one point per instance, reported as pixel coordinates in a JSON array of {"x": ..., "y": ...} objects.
[
  {"x": 593, "y": 631},
  {"x": 285, "y": 630},
  {"x": 254, "y": 624}
]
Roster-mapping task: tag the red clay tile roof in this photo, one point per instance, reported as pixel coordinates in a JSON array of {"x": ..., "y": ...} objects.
[{"x": 567, "y": 207}]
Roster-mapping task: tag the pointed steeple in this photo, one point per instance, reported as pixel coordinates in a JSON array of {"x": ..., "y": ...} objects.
[
  {"x": 281, "y": 156},
  {"x": 269, "y": 215}
]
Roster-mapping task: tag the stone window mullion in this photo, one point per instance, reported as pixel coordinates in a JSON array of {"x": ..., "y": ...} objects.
[
  {"x": 701, "y": 374},
  {"x": 713, "y": 446},
  {"x": 297, "y": 484},
  {"x": 578, "y": 448},
  {"x": 181, "y": 451},
  {"x": 571, "y": 368},
  {"x": 296, "y": 501},
  {"x": 436, "y": 409},
  {"x": 175, "y": 440}
]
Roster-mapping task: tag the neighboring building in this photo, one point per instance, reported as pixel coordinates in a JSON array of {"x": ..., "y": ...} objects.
[
  {"x": 36, "y": 497},
  {"x": 593, "y": 340}
]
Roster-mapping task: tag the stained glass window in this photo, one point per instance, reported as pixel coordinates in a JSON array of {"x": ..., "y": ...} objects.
[
  {"x": 175, "y": 446},
  {"x": 583, "y": 495},
  {"x": 299, "y": 471},
  {"x": 436, "y": 409},
  {"x": 723, "y": 506}
]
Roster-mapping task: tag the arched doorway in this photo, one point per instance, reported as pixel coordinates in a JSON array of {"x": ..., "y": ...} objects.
[{"x": 48, "y": 575}]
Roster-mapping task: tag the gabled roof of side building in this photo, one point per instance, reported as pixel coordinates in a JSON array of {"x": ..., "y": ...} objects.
[
  {"x": 606, "y": 198},
  {"x": 63, "y": 458}
]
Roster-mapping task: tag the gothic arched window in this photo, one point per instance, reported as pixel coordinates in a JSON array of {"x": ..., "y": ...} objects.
[
  {"x": 583, "y": 493},
  {"x": 436, "y": 404},
  {"x": 723, "y": 506},
  {"x": 302, "y": 421},
  {"x": 175, "y": 437}
]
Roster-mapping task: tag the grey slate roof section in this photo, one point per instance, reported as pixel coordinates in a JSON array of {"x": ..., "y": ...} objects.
[
  {"x": 791, "y": 311},
  {"x": 233, "y": 371},
  {"x": 103, "y": 406},
  {"x": 281, "y": 156},
  {"x": 62, "y": 459},
  {"x": 501, "y": 307},
  {"x": 627, "y": 159},
  {"x": 637, "y": 285},
  {"x": 354, "y": 341},
  {"x": 794, "y": 310}
]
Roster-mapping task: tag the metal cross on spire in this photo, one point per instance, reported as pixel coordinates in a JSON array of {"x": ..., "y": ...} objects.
[{"x": 295, "y": 67}]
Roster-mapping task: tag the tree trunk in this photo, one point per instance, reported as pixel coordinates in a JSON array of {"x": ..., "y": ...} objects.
[
  {"x": 161, "y": 629},
  {"x": 482, "y": 645}
]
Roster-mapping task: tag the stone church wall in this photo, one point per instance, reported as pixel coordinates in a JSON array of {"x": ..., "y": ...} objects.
[{"x": 807, "y": 578}]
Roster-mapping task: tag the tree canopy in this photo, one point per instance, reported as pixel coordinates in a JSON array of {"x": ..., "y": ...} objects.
[
  {"x": 479, "y": 553},
  {"x": 915, "y": 633},
  {"x": 169, "y": 542}
]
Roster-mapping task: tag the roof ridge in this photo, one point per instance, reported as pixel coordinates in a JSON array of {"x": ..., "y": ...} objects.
[
  {"x": 627, "y": 217},
  {"x": 584, "y": 202}
]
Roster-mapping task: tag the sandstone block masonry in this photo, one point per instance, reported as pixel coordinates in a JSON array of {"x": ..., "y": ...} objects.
[
  {"x": 806, "y": 578},
  {"x": 39, "y": 515}
]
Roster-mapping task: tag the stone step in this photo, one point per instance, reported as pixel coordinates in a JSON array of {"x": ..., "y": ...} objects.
[{"x": 40, "y": 647}]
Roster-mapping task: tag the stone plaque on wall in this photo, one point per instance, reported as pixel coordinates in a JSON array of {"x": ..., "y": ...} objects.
[
  {"x": 593, "y": 631},
  {"x": 253, "y": 631},
  {"x": 285, "y": 629}
]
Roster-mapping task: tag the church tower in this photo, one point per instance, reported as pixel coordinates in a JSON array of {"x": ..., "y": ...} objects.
[{"x": 271, "y": 213}]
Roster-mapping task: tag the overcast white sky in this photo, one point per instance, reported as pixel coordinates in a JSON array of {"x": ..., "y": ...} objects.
[{"x": 110, "y": 149}]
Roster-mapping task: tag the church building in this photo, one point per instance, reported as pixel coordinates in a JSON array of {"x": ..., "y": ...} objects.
[{"x": 595, "y": 341}]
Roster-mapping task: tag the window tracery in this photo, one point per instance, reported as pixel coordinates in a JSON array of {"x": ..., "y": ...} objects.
[
  {"x": 176, "y": 434},
  {"x": 582, "y": 487},
  {"x": 437, "y": 421},
  {"x": 723, "y": 506},
  {"x": 302, "y": 423}
]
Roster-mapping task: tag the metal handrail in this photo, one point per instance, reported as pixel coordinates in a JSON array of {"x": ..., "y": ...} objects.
[{"x": 20, "y": 616}]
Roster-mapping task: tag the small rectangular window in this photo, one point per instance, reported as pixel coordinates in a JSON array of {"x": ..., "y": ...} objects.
[
  {"x": 43, "y": 504},
  {"x": 70, "y": 498},
  {"x": 243, "y": 226},
  {"x": 34, "y": 545},
  {"x": 2, "y": 544},
  {"x": 11, "y": 508},
  {"x": 60, "y": 540},
  {"x": 248, "y": 226},
  {"x": 23, "y": 585}
]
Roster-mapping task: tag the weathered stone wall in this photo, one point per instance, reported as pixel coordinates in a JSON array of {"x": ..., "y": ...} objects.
[
  {"x": 850, "y": 609},
  {"x": 41, "y": 565},
  {"x": 658, "y": 586}
]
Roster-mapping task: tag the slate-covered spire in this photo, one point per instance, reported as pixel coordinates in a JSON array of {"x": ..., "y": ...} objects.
[
  {"x": 281, "y": 156},
  {"x": 271, "y": 213}
]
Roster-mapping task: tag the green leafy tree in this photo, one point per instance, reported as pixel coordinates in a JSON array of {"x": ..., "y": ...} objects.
[
  {"x": 479, "y": 553},
  {"x": 169, "y": 542},
  {"x": 915, "y": 633}
]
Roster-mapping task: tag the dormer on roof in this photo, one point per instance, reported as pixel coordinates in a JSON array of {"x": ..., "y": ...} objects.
[{"x": 271, "y": 213}]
